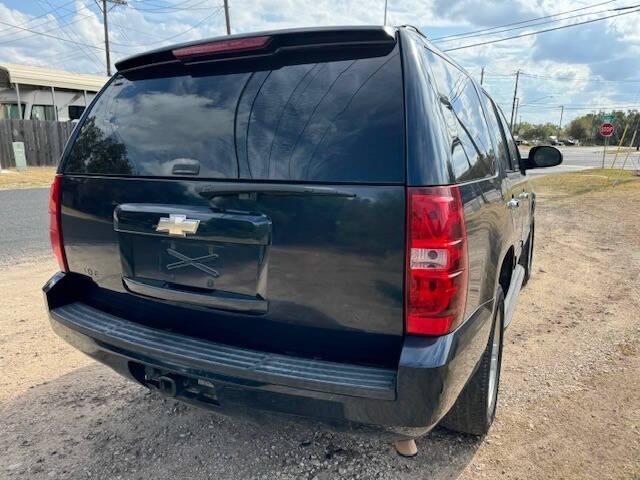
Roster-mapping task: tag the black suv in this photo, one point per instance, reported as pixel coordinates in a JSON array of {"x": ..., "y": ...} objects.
[{"x": 328, "y": 223}]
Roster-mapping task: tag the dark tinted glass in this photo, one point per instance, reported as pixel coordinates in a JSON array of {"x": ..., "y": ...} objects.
[
  {"x": 514, "y": 153},
  {"x": 75, "y": 112},
  {"x": 473, "y": 153},
  {"x": 337, "y": 121},
  {"x": 496, "y": 130}
]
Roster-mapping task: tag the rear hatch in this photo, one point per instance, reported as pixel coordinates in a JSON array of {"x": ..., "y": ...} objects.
[{"x": 252, "y": 197}]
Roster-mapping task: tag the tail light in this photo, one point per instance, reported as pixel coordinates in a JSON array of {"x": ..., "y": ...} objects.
[
  {"x": 436, "y": 273},
  {"x": 55, "y": 227}
]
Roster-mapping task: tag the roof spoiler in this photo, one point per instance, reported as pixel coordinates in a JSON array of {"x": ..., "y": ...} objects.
[{"x": 264, "y": 44}]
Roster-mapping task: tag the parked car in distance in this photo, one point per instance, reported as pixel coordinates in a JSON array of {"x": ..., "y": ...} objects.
[{"x": 328, "y": 223}]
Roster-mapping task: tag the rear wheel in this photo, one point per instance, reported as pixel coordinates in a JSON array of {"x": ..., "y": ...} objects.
[
  {"x": 475, "y": 409},
  {"x": 527, "y": 260}
]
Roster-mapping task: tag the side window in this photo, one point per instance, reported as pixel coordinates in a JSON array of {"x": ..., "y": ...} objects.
[
  {"x": 499, "y": 137},
  {"x": 473, "y": 152},
  {"x": 75, "y": 112},
  {"x": 10, "y": 110},
  {"x": 42, "y": 112},
  {"x": 513, "y": 148}
]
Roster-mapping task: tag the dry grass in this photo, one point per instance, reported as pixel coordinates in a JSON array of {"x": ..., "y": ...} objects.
[
  {"x": 587, "y": 181},
  {"x": 32, "y": 178}
]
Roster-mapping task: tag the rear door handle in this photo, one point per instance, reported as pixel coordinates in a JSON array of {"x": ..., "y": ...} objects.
[
  {"x": 513, "y": 203},
  {"x": 524, "y": 195},
  {"x": 214, "y": 225}
]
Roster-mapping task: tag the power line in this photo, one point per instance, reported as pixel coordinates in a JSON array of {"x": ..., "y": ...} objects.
[
  {"x": 529, "y": 25},
  {"x": 167, "y": 4},
  {"x": 41, "y": 16},
  {"x": 215, "y": 12},
  {"x": 88, "y": 53},
  {"x": 123, "y": 31},
  {"x": 51, "y": 36},
  {"x": 537, "y": 32},
  {"x": 558, "y": 79},
  {"x": 503, "y": 76},
  {"x": 583, "y": 107},
  {"x": 589, "y": 80},
  {"x": 11, "y": 33},
  {"x": 521, "y": 22},
  {"x": 172, "y": 8}
]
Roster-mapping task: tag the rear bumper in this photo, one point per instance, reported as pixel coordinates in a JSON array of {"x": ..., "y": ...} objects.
[{"x": 408, "y": 401}]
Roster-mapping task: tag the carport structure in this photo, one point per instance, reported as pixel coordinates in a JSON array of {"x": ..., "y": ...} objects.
[{"x": 28, "y": 92}]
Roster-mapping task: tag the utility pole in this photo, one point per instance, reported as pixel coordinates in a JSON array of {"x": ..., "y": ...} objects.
[
  {"x": 385, "y": 13},
  {"x": 106, "y": 36},
  {"x": 515, "y": 95},
  {"x": 515, "y": 116},
  {"x": 226, "y": 16},
  {"x": 105, "y": 23},
  {"x": 482, "y": 76},
  {"x": 560, "y": 124}
]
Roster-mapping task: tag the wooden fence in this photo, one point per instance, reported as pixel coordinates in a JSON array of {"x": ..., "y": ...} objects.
[{"x": 43, "y": 140}]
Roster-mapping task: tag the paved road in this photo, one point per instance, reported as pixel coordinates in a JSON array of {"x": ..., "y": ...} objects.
[
  {"x": 24, "y": 224},
  {"x": 581, "y": 158}
]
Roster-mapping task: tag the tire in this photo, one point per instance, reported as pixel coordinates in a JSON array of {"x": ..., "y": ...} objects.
[
  {"x": 527, "y": 262},
  {"x": 475, "y": 409}
]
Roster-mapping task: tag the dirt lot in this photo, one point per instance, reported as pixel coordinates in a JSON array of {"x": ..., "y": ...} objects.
[{"x": 569, "y": 405}]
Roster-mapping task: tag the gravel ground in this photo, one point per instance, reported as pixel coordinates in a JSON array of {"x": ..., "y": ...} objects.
[{"x": 569, "y": 403}]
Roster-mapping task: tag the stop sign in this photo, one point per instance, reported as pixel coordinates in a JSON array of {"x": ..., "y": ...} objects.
[{"x": 607, "y": 129}]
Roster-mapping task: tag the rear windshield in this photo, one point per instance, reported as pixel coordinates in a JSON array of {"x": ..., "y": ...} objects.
[{"x": 335, "y": 121}]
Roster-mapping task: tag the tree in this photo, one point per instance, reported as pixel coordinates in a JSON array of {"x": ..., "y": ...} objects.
[
  {"x": 95, "y": 153},
  {"x": 585, "y": 128},
  {"x": 529, "y": 131},
  {"x": 578, "y": 129}
]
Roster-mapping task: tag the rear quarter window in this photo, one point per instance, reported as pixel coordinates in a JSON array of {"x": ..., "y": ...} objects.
[
  {"x": 496, "y": 130},
  {"x": 473, "y": 155},
  {"x": 334, "y": 121}
]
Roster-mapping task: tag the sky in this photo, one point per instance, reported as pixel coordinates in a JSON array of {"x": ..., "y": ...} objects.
[{"x": 583, "y": 68}]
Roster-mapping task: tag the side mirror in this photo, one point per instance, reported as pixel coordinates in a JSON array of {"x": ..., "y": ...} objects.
[{"x": 543, "y": 156}]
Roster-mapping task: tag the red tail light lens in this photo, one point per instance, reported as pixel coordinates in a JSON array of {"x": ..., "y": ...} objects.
[
  {"x": 436, "y": 278},
  {"x": 55, "y": 227},
  {"x": 224, "y": 46}
]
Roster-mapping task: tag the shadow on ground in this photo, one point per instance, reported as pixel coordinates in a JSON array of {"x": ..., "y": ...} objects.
[{"x": 91, "y": 423}]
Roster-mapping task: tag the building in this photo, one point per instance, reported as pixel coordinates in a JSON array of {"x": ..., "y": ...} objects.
[{"x": 45, "y": 94}]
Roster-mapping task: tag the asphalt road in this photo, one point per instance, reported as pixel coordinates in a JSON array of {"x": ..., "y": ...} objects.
[
  {"x": 581, "y": 158},
  {"x": 592, "y": 157},
  {"x": 24, "y": 224}
]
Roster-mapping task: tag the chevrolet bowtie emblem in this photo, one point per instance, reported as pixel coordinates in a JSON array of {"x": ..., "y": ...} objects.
[{"x": 178, "y": 225}]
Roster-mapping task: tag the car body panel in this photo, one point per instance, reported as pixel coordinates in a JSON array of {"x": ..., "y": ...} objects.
[{"x": 349, "y": 249}]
